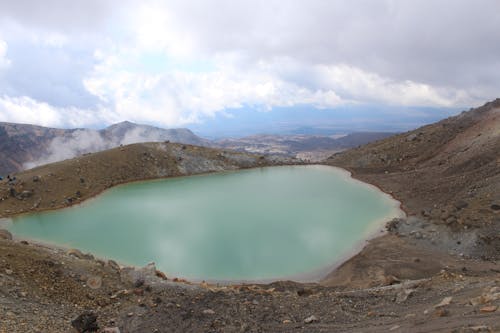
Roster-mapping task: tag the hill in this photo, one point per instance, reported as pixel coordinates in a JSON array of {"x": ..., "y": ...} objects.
[
  {"x": 447, "y": 177},
  {"x": 24, "y": 146},
  {"x": 67, "y": 182}
]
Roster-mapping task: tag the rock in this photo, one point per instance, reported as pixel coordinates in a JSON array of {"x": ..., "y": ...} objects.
[
  {"x": 146, "y": 274},
  {"x": 88, "y": 256},
  {"x": 36, "y": 179},
  {"x": 4, "y": 234},
  {"x": 114, "y": 265},
  {"x": 75, "y": 253},
  {"x": 446, "y": 301},
  {"x": 492, "y": 295},
  {"x": 416, "y": 234},
  {"x": 304, "y": 292},
  {"x": 461, "y": 204},
  {"x": 130, "y": 314},
  {"x": 392, "y": 225},
  {"x": 111, "y": 330},
  {"x": 139, "y": 282},
  {"x": 311, "y": 319},
  {"x": 495, "y": 207},
  {"x": 287, "y": 321},
  {"x": 390, "y": 280},
  {"x": 491, "y": 308},
  {"x": 425, "y": 212},
  {"x": 161, "y": 275},
  {"x": 480, "y": 328},
  {"x": 86, "y": 322},
  {"x": 12, "y": 192},
  {"x": 441, "y": 312},
  {"x": 208, "y": 312},
  {"x": 119, "y": 293},
  {"x": 25, "y": 194},
  {"x": 395, "y": 327},
  {"x": 411, "y": 137},
  {"x": 403, "y": 295},
  {"x": 94, "y": 282},
  {"x": 9, "y": 271}
]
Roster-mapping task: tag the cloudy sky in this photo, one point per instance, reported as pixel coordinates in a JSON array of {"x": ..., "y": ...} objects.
[{"x": 189, "y": 63}]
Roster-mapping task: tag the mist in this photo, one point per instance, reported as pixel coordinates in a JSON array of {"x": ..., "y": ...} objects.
[{"x": 84, "y": 141}]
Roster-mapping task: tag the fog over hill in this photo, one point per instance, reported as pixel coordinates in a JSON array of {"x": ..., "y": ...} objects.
[{"x": 25, "y": 146}]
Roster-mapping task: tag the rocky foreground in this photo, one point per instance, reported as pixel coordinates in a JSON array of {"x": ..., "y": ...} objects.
[{"x": 435, "y": 271}]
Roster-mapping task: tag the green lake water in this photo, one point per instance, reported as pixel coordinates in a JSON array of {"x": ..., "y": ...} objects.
[{"x": 254, "y": 224}]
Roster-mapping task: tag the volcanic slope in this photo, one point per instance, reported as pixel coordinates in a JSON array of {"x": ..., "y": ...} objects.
[
  {"x": 64, "y": 183},
  {"x": 447, "y": 177}
]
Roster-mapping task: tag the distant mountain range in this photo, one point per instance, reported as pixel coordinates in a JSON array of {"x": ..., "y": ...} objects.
[
  {"x": 25, "y": 146},
  {"x": 312, "y": 147}
]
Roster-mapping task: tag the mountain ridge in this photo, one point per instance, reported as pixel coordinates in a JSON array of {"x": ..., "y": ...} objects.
[{"x": 23, "y": 145}]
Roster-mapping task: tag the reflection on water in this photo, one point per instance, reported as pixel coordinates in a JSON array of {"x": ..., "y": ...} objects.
[{"x": 252, "y": 224}]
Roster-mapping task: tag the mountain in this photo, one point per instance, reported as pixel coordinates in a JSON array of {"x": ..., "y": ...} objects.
[
  {"x": 447, "y": 177},
  {"x": 24, "y": 146},
  {"x": 312, "y": 147},
  {"x": 459, "y": 155}
]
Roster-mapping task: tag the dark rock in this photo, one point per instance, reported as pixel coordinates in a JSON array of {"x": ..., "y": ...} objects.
[
  {"x": 12, "y": 192},
  {"x": 461, "y": 204},
  {"x": 86, "y": 322},
  {"x": 495, "y": 207},
  {"x": 304, "y": 292},
  {"x": 4, "y": 234},
  {"x": 139, "y": 282},
  {"x": 114, "y": 265},
  {"x": 36, "y": 179},
  {"x": 392, "y": 226}
]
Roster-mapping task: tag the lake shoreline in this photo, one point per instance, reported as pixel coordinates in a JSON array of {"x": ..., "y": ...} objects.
[{"x": 317, "y": 275}]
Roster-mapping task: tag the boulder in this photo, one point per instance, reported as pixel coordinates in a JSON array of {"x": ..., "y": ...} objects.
[
  {"x": 86, "y": 322},
  {"x": 143, "y": 276},
  {"x": 76, "y": 253},
  {"x": 25, "y": 194},
  {"x": 94, "y": 282},
  {"x": 461, "y": 204},
  {"x": 495, "y": 206},
  {"x": 5, "y": 234},
  {"x": 311, "y": 319},
  {"x": 114, "y": 265}
]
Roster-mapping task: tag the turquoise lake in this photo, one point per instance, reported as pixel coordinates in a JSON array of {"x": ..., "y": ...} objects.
[{"x": 267, "y": 223}]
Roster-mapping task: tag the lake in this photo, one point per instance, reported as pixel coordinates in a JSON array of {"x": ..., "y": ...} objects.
[{"x": 256, "y": 224}]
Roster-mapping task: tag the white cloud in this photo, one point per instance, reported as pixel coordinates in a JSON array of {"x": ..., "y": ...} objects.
[
  {"x": 4, "y": 61},
  {"x": 29, "y": 111},
  {"x": 176, "y": 62}
]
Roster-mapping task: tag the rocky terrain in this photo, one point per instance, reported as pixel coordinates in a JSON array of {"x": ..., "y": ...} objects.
[
  {"x": 68, "y": 182},
  {"x": 435, "y": 271},
  {"x": 314, "y": 148}
]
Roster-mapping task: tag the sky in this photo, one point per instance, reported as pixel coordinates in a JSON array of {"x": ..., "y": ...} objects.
[{"x": 231, "y": 65}]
